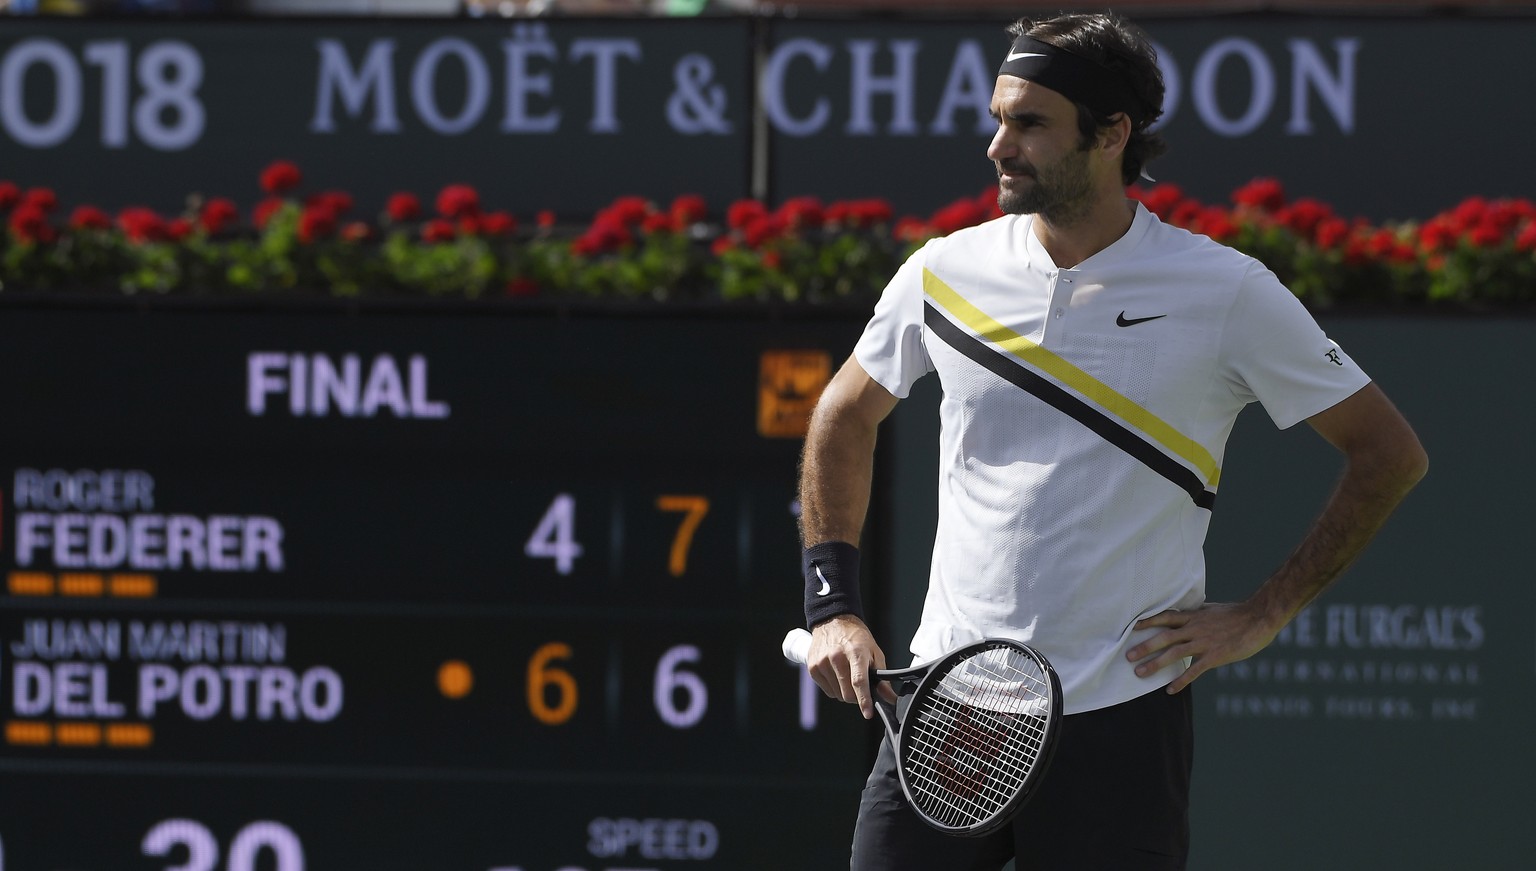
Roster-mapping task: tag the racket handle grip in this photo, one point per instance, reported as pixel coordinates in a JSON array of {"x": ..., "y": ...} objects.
[{"x": 797, "y": 646}]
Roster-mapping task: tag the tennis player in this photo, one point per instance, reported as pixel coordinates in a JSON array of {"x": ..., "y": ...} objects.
[{"x": 1093, "y": 360}]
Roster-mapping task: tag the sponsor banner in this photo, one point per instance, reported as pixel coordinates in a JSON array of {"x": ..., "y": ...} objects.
[
  {"x": 561, "y": 115},
  {"x": 569, "y": 114},
  {"x": 1334, "y": 107}
]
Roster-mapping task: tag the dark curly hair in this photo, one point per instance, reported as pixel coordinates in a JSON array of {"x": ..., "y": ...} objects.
[{"x": 1118, "y": 46}]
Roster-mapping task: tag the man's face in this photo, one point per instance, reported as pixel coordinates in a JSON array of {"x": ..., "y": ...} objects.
[{"x": 1042, "y": 165}]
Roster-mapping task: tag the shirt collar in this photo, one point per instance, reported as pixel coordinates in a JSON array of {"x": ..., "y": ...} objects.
[{"x": 1116, "y": 251}]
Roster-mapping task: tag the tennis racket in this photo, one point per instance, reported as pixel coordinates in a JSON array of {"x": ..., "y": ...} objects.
[{"x": 978, "y": 734}]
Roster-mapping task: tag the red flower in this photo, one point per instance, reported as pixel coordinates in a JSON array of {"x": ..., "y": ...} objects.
[
  {"x": 1526, "y": 240},
  {"x": 336, "y": 203},
  {"x": 89, "y": 218},
  {"x": 1469, "y": 211},
  {"x": 1330, "y": 232},
  {"x": 1507, "y": 214},
  {"x": 1162, "y": 199},
  {"x": 1186, "y": 213},
  {"x": 546, "y": 219},
  {"x": 356, "y": 231},
  {"x": 498, "y": 224},
  {"x": 910, "y": 229},
  {"x": 1382, "y": 244},
  {"x": 1357, "y": 249},
  {"x": 402, "y": 207},
  {"x": 217, "y": 215},
  {"x": 1261, "y": 193},
  {"x": 629, "y": 211},
  {"x": 762, "y": 229},
  {"x": 1485, "y": 233},
  {"x": 956, "y": 216},
  {"x": 607, "y": 233},
  {"x": 1217, "y": 224},
  {"x": 178, "y": 229},
  {"x": 280, "y": 177},
  {"x": 657, "y": 222},
  {"x": 44, "y": 199},
  {"x": 1303, "y": 216},
  {"x": 437, "y": 230},
  {"x": 10, "y": 194},
  {"x": 1438, "y": 234},
  {"x": 868, "y": 213},
  {"x": 457, "y": 201},
  {"x": 743, "y": 212},
  {"x": 721, "y": 245},
  {"x": 802, "y": 213},
  {"x": 29, "y": 223},
  {"x": 316, "y": 223},
  {"x": 141, "y": 225},
  {"x": 265, "y": 210},
  {"x": 687, "y": 209}
]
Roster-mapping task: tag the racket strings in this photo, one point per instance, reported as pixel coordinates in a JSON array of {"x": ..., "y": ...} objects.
[
  {"x": 971, "y": 766},
  {"x": 974, "y": 739}
]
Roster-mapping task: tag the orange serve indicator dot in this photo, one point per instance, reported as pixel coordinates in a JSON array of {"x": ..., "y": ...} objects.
[{"x": 455, "y": 679}]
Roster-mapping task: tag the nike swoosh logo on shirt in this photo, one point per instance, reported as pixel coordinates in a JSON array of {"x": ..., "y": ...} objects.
[
  {"x": 1015, "y": 55},
  {"x": 825, "y": 587},
  {"x": 1122, "y": 321}
]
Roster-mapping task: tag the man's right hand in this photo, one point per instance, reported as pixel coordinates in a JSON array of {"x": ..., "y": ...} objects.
[{"x": 843, "y": 650}]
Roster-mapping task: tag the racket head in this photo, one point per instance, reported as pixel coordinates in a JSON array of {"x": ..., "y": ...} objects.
[{"x": 978, "y": 736}]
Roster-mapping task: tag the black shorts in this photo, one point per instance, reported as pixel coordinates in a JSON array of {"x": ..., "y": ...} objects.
[{"x": 1116, "y": 796}]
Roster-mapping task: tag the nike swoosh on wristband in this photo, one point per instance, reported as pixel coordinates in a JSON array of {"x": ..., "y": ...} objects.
[
  {"x": 825, "y": 587},
  {"x": 1122, "y": 321},
  {"x": 1015, "y": 55}
]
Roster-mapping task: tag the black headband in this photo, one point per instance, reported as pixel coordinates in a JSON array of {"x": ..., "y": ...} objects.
[{"x": 1073, "y": 76}]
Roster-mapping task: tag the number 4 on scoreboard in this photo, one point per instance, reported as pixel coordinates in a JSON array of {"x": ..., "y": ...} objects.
[{"x": 555, "y": 536}]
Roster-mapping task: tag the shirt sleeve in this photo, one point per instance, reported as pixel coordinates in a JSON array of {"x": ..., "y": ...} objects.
[
  {"x": 893, "y": 349},
  {"x": 1276, "y": 353}
]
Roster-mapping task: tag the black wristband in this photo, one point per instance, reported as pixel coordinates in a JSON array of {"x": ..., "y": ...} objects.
[{"x": 831, "y": 581}]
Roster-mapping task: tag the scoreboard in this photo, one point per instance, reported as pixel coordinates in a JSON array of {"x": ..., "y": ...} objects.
[{"x": 447, "y": 588}]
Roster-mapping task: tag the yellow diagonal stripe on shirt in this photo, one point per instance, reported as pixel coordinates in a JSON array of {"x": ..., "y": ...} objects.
[{"x": 1101, "y": 394}]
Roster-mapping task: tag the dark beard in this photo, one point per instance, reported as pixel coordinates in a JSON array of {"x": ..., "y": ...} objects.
[{"x": 1060, "y": 194}]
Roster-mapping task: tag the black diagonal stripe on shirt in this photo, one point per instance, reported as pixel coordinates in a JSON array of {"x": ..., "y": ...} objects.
[{"x": 1097, "y": 421}]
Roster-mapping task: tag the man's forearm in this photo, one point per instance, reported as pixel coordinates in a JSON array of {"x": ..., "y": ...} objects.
[
  {"x": 836, "y": 473},
  {"x": 1369, "y": 491}
]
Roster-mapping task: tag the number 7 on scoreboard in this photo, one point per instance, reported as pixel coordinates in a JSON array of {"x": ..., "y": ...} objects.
[{"x": 694, "y": 508}]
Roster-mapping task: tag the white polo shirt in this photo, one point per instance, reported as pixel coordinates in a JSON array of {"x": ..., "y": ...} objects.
[{"x": 1084, "y": 417}]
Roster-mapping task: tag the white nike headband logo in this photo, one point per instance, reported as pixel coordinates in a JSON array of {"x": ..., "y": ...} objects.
[
  {"x": 825, "y": 587},
  {"x": 1015, "y": 55}
]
